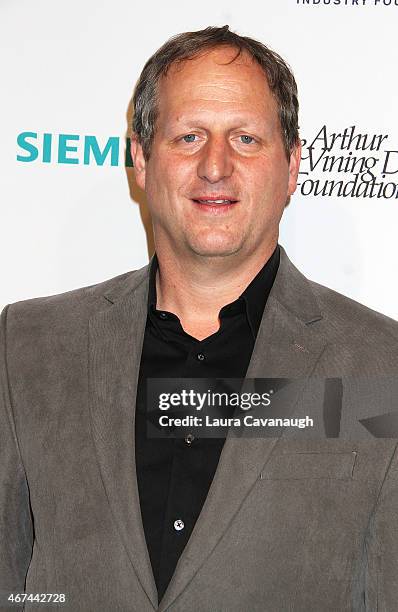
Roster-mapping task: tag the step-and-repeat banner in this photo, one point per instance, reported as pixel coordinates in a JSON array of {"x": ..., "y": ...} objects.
[{"x": 70, "y": 213}]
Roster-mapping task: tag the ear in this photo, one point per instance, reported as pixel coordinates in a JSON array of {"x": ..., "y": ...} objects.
[
  {"x": 137, "y": 156},
  {"x": 294, "y": 165}
]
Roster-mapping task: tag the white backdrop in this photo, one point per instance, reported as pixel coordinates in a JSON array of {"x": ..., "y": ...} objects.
[{"x": 69, "y": 69}]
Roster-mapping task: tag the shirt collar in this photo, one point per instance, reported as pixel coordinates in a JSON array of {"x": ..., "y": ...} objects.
[
  {"x": 254, "y": 296},
  {"x": 256, "y": 293},
  {"x": 152, "y": 282}
]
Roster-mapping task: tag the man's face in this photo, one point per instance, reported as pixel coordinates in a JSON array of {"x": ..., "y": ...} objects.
[{"x": 217, "y": 179}]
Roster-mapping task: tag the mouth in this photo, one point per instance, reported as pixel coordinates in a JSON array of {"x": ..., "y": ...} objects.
[{"x": 219, "y": 202}]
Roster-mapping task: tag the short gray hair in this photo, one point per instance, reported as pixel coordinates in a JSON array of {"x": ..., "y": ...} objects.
[{"x": 190, "y": 44}]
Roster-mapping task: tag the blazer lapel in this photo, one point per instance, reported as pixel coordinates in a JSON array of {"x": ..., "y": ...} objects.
[
  {"x": 115, "y": 344},
  {"x": 287, "y": 346}
]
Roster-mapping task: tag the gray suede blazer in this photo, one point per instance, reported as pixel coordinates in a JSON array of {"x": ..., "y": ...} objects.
[{"x": 291, "y": 523}]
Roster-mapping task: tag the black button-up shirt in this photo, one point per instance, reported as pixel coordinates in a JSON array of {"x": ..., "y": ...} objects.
[{"x": 174, "y": 475}]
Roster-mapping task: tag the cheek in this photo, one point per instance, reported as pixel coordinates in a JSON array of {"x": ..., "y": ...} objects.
[
  {"x": 266, "y": 179},
  {"x": 169, "y": 175},
  {"x": 156, "y": 181},
  {"x": 268, "y": 188},
  {"x": 165, "y": 187},
  {"x": 278, "y": 175}
]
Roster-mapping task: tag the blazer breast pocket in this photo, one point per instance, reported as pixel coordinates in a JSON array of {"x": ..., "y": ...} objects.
[{"x": 295, "y": 466}]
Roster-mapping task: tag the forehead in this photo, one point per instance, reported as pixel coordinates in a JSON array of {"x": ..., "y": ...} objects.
[{"x": 217, "y": 79}]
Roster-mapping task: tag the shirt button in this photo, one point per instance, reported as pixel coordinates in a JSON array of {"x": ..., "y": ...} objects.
[
  {"x": 189, "y": 439},
  {"x": 200, "y": 356},
  {"x": 163, "y": 315},
  {"x": 178, "y": 525}
]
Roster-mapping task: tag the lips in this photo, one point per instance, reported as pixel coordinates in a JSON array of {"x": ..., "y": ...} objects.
[{"x": 217, "y": 200}]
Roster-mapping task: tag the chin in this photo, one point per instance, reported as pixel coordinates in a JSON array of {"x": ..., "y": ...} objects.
[
  {"x": 214, "y": 250},
  {"x": 214, "y": 243}
]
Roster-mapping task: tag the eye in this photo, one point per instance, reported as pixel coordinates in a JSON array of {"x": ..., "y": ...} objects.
[
  {"x": 246, "y": 139},
  {"x": 189, "y": 137}
]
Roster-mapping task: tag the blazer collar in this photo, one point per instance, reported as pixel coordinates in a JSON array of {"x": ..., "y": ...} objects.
[{"x": 116, "y": 336}]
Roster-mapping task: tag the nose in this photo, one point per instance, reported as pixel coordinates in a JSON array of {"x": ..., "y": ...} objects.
[{"x": 216, "y": 161}]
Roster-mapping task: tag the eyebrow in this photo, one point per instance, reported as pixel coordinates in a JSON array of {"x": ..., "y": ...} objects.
[{"x": 236, "y": 122}]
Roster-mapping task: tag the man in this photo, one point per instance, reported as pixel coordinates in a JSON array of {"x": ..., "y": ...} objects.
[{"x": 95, "y": 509}]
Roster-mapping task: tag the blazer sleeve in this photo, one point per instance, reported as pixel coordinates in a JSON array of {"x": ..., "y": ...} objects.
[
  {"x": 381, "y": 586},
  {"x": 16, "y": 526}
]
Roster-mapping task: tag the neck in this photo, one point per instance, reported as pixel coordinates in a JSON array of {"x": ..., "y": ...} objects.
[{"x": 196, "y": 288}]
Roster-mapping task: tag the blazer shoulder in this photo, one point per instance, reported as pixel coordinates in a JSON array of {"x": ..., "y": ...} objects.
[
  {"x": 75, "y": 304},
  {"x": 350, "y": 318}
]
